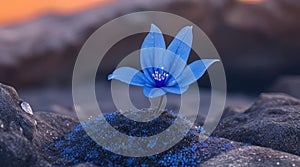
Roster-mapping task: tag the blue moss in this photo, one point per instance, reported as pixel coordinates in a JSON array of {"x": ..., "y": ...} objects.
[
  {"x": 228, "y": 146},
  {"x": 138, "y": 129},
  {"x": 77, "y": 146}
]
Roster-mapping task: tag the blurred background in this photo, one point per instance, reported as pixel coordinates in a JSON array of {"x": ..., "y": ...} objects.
[{"x": 257, "y": 40}]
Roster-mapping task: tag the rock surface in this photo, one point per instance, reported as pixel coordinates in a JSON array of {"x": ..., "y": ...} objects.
[
  {"x": 272, "y": 121},
  {"x": 22, "y": 135},
  {"x": 249, "y": 156},
  {"x": 264, "y": 39},
  {"x": 28, "y": 140},
  {"x": 17, "y": 130},
  {"x": 78, "y": 147},
  {"x": 49, "y": 139}
]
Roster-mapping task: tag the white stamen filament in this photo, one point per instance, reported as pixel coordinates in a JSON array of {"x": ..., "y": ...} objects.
[{"x": 159, "y": 77}]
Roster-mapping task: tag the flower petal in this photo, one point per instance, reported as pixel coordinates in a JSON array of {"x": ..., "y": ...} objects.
[
  {"x": 168, "y": 62},
  {"x": 152, "y": 92},
  {"x": 149, "y": 49},
  {"x": 176, "y": 64},
  {"x": 181, "y": 44},
  {"x": 194, "y": 71},
  {"x": 154, "y": 39},
  {"x": 175, "y": 89},
  {"x": 129, "y": 75}
]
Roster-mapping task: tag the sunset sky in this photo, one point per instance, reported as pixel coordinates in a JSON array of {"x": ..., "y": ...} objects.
[{"x": 12, "y": 11}]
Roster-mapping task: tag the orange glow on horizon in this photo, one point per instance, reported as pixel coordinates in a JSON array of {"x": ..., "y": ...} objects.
[
  {"x": 13, "y": 11},
  {"x": 251, "y": 1}
]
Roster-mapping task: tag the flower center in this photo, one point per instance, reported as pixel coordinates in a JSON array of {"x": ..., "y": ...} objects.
[{"x": 160, "y": 76}]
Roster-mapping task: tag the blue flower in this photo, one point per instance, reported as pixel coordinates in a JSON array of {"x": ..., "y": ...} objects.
[{"x": 164, "y": 69}]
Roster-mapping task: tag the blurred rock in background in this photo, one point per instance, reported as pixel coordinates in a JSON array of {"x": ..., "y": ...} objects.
[
  {"x": 287, "y": 84},
  {"x": 257, "y": 41}
]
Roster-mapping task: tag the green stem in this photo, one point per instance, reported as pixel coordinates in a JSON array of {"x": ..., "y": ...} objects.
[{"x": 160, "y": 103}]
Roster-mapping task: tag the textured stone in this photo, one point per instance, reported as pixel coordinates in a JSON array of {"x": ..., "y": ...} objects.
[
  {"x": 48, "y": 139},
  {"x": 84, "y": 165},
  {"x": 272, "y": 121},
  {"x": 50, "y": 127},
  {"x": 250, "y": 156},
  {"x": 22, "y": 135},
  {"x": 77, "y": 147},
  {"x": 17, "y": 129}
]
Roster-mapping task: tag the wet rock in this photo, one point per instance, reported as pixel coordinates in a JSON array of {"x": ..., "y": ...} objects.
[
  {"x": 249, "y": 156},
  {"x": 272, "y": 121},
  {"x": 23, "y": 134},
  {"x": 13, "y": 117},
  {"x": 16, "y": 132},
  {"x": 51, "y": 127}
]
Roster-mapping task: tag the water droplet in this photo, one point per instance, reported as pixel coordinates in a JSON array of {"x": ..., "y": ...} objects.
[
  {"x": 293, "y": 165},
  {"x": 259, "y": 159},
  {"x": 277, "y": 163},
  {"x": 1, "y": 126},
  {"x": 21, "y": 130},
  {"x": 26, "y": 107},
  {"x": 35, "y": 122}
]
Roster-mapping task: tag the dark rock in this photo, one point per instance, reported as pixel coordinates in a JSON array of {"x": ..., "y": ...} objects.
[
  {"x": 15, "y": 150},
  {"x": 46, "y": 139},
  {"x": 274, "y": 100},
  {"x": 272, "y": 121},
  {"x": 50, "y": 127},
  {"x": 250, "y": 156},
  {"x": 228, "y": 111},
  {"x": 12, "y": 116},
  {"x": 84, "y": 165},
  {"x": 231, "y": 110},
  {"x": 77, "y": 146},
  {"x": 22, "y": 135},
  {"x": 17, "y": 129},
  {"x": 43, "y": 139}
]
